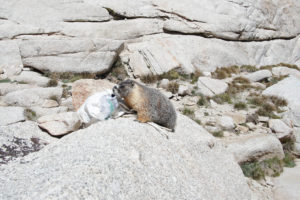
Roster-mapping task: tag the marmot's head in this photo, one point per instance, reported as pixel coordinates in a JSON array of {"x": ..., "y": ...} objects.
[{"x": 125, "y": 87}]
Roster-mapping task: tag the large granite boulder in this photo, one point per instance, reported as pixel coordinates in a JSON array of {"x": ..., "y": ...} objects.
[{"x": 126, "y": 159}]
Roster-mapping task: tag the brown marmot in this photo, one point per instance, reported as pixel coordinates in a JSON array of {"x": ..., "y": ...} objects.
[{"x": 150, "y": 104}]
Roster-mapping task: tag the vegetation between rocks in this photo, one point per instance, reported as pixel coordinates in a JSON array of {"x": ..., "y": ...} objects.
[{"x": 258, "y": 170}]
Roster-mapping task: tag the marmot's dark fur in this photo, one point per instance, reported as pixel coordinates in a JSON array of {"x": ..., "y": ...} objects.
[{"x": 150, "y": 104}]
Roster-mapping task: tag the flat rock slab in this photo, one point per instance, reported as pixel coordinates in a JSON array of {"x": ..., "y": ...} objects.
[
  {"x": 125, "y": 159},
  {"x": 32, "y": 97},
  {"x": 254, "y": 147},
  {"x": 286, "y": 186},
  {"x": 10, "y": 115},
  {"x": 211, "y": 87},
  {"x": 60, "y": 124},
  {"x": 30, "y": 77},
  {"x": 6, "y": 88},
  {"x": 259, "y": 75}
]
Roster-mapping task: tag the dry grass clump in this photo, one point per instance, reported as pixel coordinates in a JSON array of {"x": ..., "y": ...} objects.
[
  {"x": 225, "y": 72},
  {"x": 68, "y": 77},
  {"x": 248, "y": 68},
  {"x": 195, "y": 76},
  {"x": 222, "y": 98},
  {"x": 149, "y": 78},
  {"x": 172, "y": 87},
  {"x": 203, "y": 101},
  {"x": 238, "y": 84},
  {"x": 269, "y": 67}
]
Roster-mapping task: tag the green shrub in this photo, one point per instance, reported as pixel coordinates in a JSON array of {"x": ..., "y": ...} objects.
[{"x": 258, "y": 170}]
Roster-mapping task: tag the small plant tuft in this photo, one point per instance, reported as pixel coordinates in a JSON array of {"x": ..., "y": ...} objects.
[
  {"x": 225, "y": 72},
  {"x": 258, "y": 170},
  {"x": 149, "y": 78},
  {"x": 222, "y": 98},
  {"x": 173, "y": 87},
  {"x": 30, "y": 114},
  {"x": 5, "y": 80},
  {"x": 240, "y": 105},
  {"x": 188, "y": 112},
  {"x": 218, "y": 134},
  {"x": 202, "y": 101},
  {"x": 52, "y": 83}
]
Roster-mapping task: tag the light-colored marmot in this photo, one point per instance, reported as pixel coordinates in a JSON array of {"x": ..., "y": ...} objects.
[{"x": 150, "y": 104}]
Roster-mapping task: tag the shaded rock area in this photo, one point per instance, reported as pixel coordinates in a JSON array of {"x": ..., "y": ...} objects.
[{"x": 20, "y": 139}]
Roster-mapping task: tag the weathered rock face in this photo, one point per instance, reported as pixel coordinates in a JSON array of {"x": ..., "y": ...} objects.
[
  {"x": 84, "y": 36},
  {"x": 84, "y": 88},
  {"x": 288, "y": 89},
  {"x": 211, "y": 87},
  {"x": 10, "y": 115},
  {"x": 128, "y": 160},
  {"x": 255, "y": 147}
]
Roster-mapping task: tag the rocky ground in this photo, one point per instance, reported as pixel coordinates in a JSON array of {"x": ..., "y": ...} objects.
[{"x": 229, "y": 67}]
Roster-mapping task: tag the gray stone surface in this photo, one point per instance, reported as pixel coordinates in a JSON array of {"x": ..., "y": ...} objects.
[
  {"x": 39, "y": 111},
  {"x": 10, "y": 59},
  {"x": 259, "y": 75},
  {"x": 297, "y": 142},
  {"x": 10, "y": 115},
  {"x": 20, "y": 139},
  {"x": 30, "y": 77},
  {"x": 281, "y": 130},
  {"x": 32, "y": 97},
  {"x": 284, "y": 71},
  {"x": 254, "y": 147},
  {"x": 60, "y": 123},
  {"x": 128, "y": 160},
  {"x": 211, "y": 87},
  {"x": 286, "y": 186},
  {"x": 226, "y": 122},
  {"x": 11, "y": 87}
]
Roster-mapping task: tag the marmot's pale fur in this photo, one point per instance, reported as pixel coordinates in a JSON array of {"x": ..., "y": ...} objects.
[{"x": 150, "y": 104}]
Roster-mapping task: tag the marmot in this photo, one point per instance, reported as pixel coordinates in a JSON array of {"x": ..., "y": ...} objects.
[{"x": 150, "y": 104}]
